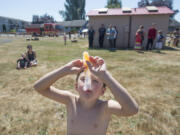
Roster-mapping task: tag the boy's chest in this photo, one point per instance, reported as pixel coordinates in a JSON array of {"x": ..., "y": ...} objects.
[{"x": 87, "y": 122}]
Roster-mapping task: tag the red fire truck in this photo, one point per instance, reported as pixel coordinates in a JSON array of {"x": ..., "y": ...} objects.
[{"x": 46, "y": 29}]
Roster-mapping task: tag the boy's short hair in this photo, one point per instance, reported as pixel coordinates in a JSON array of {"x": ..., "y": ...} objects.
[
  {"x": 77, "y": 77},
  {"x": 29, "y": 46}
]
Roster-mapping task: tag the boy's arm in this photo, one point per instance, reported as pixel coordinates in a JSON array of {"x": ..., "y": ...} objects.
[
  {"x": 44, "y": 85},
  {"x": 124, "y": 105}
]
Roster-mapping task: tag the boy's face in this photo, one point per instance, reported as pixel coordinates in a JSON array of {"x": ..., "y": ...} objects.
[
  {"x": 96, "y": 90},
  {"x": 29, "y": 49}
]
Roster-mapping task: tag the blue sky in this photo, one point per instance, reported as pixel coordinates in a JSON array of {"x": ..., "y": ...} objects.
[{"x": 24, "y": 9}]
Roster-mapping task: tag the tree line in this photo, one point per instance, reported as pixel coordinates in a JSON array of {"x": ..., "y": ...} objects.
[{"x": 75, "y": 9}]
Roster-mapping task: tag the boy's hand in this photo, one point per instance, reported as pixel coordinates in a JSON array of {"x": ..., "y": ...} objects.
[
  {"x": 75, "y": 66},
  {"x": 97, "y": 66}
]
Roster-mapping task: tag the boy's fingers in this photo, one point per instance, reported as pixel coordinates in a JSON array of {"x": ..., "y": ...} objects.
[
  {"x": 93, "y": 61},
  {"x": 77, "y": 63},
  {"x": 96, "y": 58},
  {"x": 101, "y": 61}
]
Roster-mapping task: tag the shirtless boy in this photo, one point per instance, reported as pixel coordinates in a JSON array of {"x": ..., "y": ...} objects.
[{"x": 86, "y": 113}]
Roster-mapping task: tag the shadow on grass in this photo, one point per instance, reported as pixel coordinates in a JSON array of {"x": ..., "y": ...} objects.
[
  {"x": 105, "y": 49},
  {"x": 166, "y": 48},
  {"x": 110, "y": 49},
  {"x": 169, "y": 48},
  {"x": 140, "y": 51},
  {"x": 158, "y": 51}
]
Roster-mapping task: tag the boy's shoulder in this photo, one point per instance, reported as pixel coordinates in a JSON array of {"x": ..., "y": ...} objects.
[
  {"x": 108, "y": 103},
  {"x": 109, "y": 107}
]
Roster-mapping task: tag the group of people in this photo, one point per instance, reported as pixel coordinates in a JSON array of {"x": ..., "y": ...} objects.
[
  {"x": 153, "y": 35},
  {"x": 27, "y": 59},
  {"x": 111, "y": 32},
  {"x": 174, "y": 38}
]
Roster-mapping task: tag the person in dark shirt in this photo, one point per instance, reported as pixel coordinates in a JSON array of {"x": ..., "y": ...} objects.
[
  {"x": 69, "y": 35},
  {"x": 91, "y": 33},
  {"x": 31, "y": 56},
  {"x": 115, "y": 36},
  {"x": 102, "y": 32},
  {"x": 22, "y": 62},
  {"x": 151, "y": 37}
]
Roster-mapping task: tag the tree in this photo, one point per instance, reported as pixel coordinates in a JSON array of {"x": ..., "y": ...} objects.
[
  {"x": 42, "y": 19},
  {"x": 74, "y": 10},
  {"x": 158, "y": 3},
  {"x": 46, "y": 19},
  {"x": 114, "y": 4},
  {"x": 143, "y": 3}
]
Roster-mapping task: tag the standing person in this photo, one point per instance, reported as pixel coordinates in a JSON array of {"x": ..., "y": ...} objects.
[
  {"x": 86, "y": 113},
  {"x": 102, "y": 32},
  {"x": 110, "y": 36},
  {"x": 69, "y": 35},
  {"x": 159, "y": 43},
  {"x": 115, "y": 36},
  {"x": 176, "y": 36},
  {"x": 31, "y": 56},
  {"x": 65, "y": 38},
  {"x": 151, "y": 37},
  {"x": 80, "y": 33},
  {"x": 139, "y": 38},
  {"x": 169, "y": 39},
  {"x": 91, "y": 33},
  {"x": 138, "y": 45},
  {"x": 141, "y": 27}
]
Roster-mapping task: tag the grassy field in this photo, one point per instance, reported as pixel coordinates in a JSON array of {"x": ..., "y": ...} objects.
[{"x": 152, "y": 78}]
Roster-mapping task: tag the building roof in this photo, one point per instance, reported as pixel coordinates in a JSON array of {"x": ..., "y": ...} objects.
[
  {"x": 8, "y": 18},
  {"x": 74, "y": 23},
  {"x": 134, "y": 11}
]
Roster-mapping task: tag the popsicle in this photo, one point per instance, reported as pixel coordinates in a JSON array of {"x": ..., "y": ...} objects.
[{"x": 87, "y": 83}]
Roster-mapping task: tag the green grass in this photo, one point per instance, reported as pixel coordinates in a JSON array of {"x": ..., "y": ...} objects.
[{"x": 151, "y": 78}]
